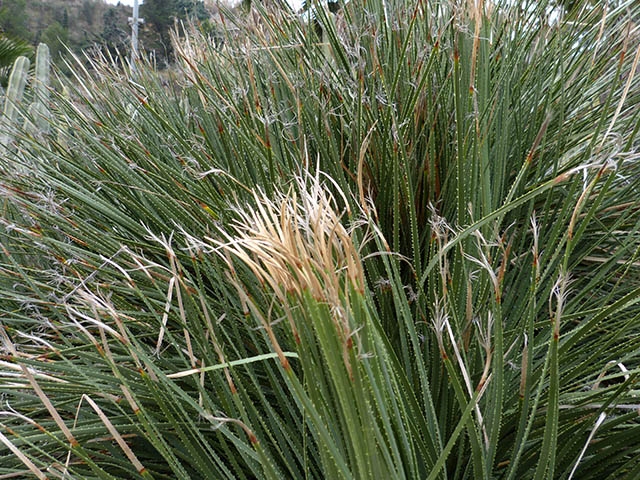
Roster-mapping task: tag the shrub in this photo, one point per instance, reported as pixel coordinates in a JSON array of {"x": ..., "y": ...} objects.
[{"x": 402, "y": 246}]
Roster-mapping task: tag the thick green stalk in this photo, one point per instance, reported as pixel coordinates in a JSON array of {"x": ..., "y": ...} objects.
[
  {"x": 41, "y": 88},
  {"x": 41, "y": 80},
  {"x": 13, "y": 97},
  {"x": 15, "y": 89}
]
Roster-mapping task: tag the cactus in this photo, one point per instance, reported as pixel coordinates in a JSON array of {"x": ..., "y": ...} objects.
[
  {"x": 15, "y": 89},
  {"x": 41, "y": 80},
  {"x": 61, "y": 127},
  {"x": 13, "y": 96},
  {"x": 41, "y": 89},
  {"x": 37, "y": 120}
]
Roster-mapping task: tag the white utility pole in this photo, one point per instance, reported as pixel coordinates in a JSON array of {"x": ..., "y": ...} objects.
[{"x": 134, "y": 22}]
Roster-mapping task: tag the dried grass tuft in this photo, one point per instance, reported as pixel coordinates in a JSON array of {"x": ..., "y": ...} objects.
[{"x": 296, "y": 243}]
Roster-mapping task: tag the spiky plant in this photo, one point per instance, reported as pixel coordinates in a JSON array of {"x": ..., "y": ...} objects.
[
  {"x": 409, "y": 250},
  {"x": 10, "y": 50}
]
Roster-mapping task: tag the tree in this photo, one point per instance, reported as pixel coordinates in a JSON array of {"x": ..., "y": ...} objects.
[
  {"x": 159, "y": 17},
  {"x": 113, "y": 37},
  {"x": 65, "y": 19},
  {"x": 87, "y": 11},
  {"x": 13, "y": 19},
  {"x": 191, "y": 8},
  {"x": 56, "y": 36},
  {"x": 570, "y": 5}
]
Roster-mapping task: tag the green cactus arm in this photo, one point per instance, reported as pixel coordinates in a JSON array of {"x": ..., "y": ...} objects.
[
  {"x": 13, "y": 96},
  {"x": 37, "y": 120},
  {"x": 15, "y": 89},
  {"x": 41, "y": 80}
]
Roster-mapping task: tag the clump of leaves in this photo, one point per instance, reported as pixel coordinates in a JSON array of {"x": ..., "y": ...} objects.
[
  {"x": 10, "y": 50},
  {"x": 401, "y": 242}
]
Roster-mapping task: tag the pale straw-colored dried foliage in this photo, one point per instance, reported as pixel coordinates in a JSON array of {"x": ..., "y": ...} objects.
[{"x": 296, "y": 244}]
